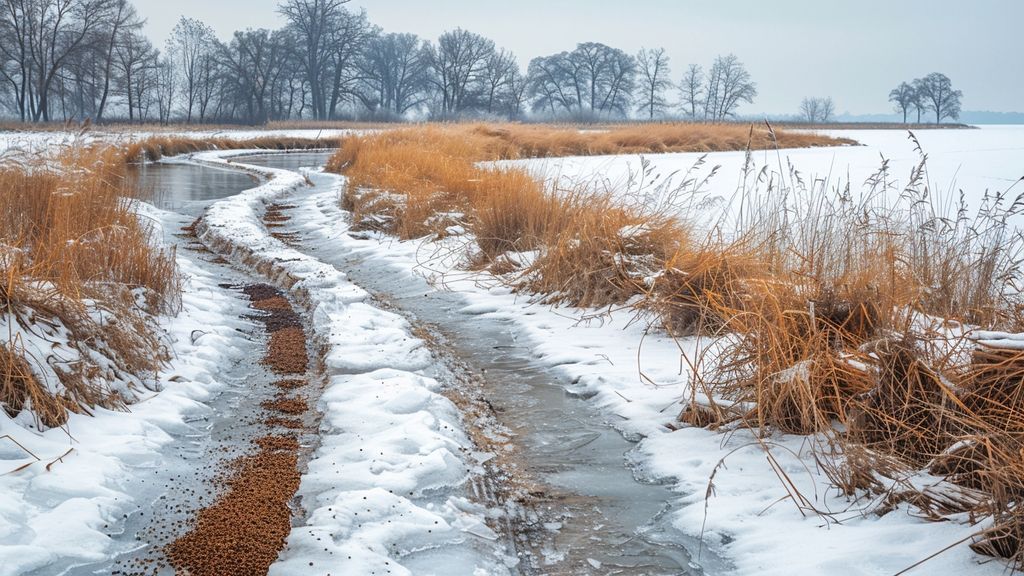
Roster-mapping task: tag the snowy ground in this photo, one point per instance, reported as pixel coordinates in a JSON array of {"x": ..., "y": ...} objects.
[
  {"x": 12, "y": 142},
  {"x": 392, "y": 448},
  {"x": 388, "y": 482},
  {"x": 62, "y": 512}
]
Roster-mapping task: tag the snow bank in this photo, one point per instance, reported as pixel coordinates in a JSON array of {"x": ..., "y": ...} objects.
[
  {"x": 386, "y": 482},
  {"x": 62, "y": 507}
]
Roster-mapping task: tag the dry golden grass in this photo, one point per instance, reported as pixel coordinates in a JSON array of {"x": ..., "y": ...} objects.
[
  {"x": 857, "y": 327},
  {"x": 508, "y": 141},
  {"x": 418, "y": 181},
  {"x": 838, "y": 315},
  {"x": 72, "y": 246},
  {"x": 592, "y": 251}
]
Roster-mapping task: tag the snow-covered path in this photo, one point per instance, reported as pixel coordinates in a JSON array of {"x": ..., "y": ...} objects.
[
  {"x": 586, "y": 511},
  {"x": 634, "y": 379}
]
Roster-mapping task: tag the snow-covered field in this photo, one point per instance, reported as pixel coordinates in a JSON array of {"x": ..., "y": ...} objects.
[
  {"x": 976, "y": 161},
  {"x": 30, "y": 142}
]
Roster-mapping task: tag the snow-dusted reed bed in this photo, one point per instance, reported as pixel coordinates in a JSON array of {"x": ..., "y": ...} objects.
[
  {"x": 813, "y": 352},
  {"x": 31, "y": 142}
]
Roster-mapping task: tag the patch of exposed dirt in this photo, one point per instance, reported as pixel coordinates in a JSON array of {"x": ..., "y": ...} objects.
[
  {"x": 286, "y": 353},
  {"x": 275, "y": 218},
  {"x": 243, "y": 531},
  {"x": 281, "y": 443},
  {"x": 274, "y": 303},
  {"x": 287, "y": 423},
  {"x": 257, "y": 292},
  {"x": 290, "y": 384},
  {"x": 284, "y": 405}
]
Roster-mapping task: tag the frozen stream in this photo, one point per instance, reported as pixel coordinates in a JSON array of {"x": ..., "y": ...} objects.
[{"x": 598, "y": 514}]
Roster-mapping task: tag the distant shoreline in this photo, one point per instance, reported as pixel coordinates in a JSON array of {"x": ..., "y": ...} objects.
[{"x": 872, "y": 126}]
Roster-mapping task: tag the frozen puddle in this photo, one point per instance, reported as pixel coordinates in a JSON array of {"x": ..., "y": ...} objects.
[
  {"x": 590, "y": 510},
  {"x": 187, "y": 188}
]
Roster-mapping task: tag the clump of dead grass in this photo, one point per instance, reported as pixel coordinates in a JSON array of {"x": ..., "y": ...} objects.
[
  {"x": 508, "y": 141},
  {"x": 859, "y": 331},
  {"x": 83, "y": 271}
]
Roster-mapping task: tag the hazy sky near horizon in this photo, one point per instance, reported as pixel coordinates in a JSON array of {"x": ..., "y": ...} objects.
[{"x": 852, "y": 50}]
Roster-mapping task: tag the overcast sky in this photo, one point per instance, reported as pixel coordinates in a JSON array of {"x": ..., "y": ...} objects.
[{"x": 852, "y": 50}]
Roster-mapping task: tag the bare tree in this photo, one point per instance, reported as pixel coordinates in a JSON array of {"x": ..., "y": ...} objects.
[
  {"x": 313, "y": 22},
  {"x": 190, "y": 47},
  {"x": 594, "y": 79},
  {"x": 16, "y": 64},
  {"x": 654, "y": 81},
  {"x": 918, "y": 98},
  {"x": 903, "y": 97},
  {"x": 603, "y": 77},
  {"x": 87, "y": 76},
  {"x": 937, "y": 93},
  {"x": 729, "y": 84},
  {"x": 330, "y": 40},
  {"x": 39, "y": 38},
  {"x": 165, "y": 87},
  {"x": 347, "y": 40},
  {"x": 458, "y": 63},
  {"x": 498, "y": 73},
  {"x": 549, "y": 83},
  {"x": 394, "y": 71},
  {"x": 254, "y": 62},
  {"x": 123, "y": 22},
  {"x": 817, "y": 110},
  {"x": 517, "y": 87},
  {"x": 136, "y": 58},
  {"x": 828, "y": 109},
  {"x": 691, "y": 89},
  {"x": 809, "y": 109}
]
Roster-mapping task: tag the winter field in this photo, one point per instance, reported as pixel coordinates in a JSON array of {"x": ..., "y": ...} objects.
[{"x": 504, "y": 350}]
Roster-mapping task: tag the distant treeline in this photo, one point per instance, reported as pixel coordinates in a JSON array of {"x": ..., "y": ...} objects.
[{"x": 71, "y": 60}]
